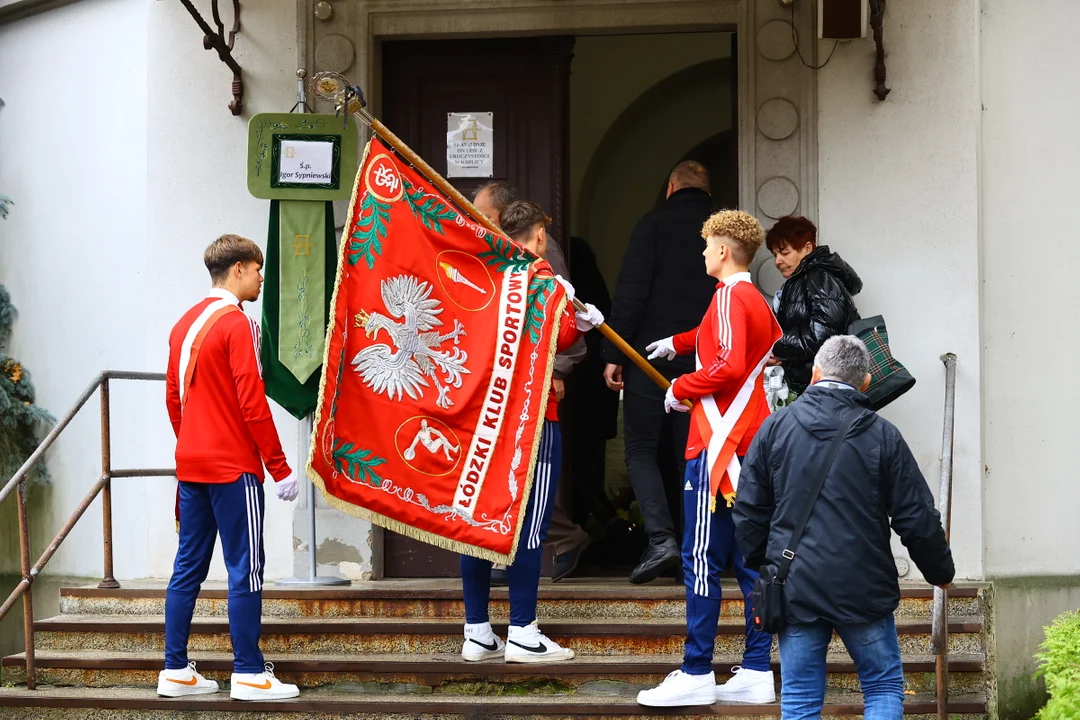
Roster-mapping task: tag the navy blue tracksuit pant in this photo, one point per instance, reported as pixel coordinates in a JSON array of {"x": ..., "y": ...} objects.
[
  {"x": 523, "y": 576},
  {"x": 708, "y": 548},
  {"x": 235, "y": 512}
]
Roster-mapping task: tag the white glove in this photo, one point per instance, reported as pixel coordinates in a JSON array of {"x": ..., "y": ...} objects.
[
  {"x": 662, "y": 349},
  {"x": 589, "y": 319},
  {"x": 671, "y": 403},
  {"x": 567, "y": 287},
  {"x": 288, "y": 488}
]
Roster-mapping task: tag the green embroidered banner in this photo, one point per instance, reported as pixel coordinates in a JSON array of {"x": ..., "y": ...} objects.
[
  {"x": 300, "y": 269},
  {"x": 302, "y": 252}
]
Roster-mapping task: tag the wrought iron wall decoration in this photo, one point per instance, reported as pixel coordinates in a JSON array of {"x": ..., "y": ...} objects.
[
  {"x": 217, "y": 41},
  {"x": 877, "y": 22}
]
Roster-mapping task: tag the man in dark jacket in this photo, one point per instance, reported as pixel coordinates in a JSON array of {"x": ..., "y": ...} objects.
[
  {"x": 843, "y": 576},
  {"x": 662, "y": 290}
]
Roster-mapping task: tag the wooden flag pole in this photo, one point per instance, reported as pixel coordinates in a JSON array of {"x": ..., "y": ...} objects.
[{"x": 356, "y": 107}]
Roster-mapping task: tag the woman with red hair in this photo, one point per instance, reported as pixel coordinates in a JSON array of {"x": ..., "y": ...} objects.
[{"x": 815, "y": 302}]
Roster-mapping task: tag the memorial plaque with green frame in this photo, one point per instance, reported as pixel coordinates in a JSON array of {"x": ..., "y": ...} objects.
[{"x": 295, "y": 156}]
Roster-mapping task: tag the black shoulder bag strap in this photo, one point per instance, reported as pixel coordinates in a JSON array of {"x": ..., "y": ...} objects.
[{"x": 796, "y": 535}]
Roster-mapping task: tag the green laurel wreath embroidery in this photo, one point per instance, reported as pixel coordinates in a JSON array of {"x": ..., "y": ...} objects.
[
  {"x": 427, "y": 208},
  {"x": 504, "y": 255},
  {"x": 536, "y": 303},
  {"x": 303, "y": 344},
  {"x": 264, "y": 149},
  {"x": 357, "y": 463},
  {"x": 370, "y": 231}
]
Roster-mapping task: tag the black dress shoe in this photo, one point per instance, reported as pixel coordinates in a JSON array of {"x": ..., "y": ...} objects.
[
  {"x": 566, "y": 564},
  {"x": 659, "y": 558},
  {"x": 498, "y": 577}
]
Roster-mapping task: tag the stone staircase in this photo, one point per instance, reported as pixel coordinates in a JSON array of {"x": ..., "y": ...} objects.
[{"x": 390, "y": 649}]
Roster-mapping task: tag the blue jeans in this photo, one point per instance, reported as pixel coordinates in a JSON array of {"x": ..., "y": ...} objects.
[{"x": 874, "y": 647}]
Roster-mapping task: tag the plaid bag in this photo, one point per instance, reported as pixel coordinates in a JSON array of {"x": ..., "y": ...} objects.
[{"x": 888, "y": 378}]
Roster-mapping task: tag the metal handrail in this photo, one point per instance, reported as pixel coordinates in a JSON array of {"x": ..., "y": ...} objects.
[
  {"x": 939, "y": 642},
  {"x": 103, "y": 486}
]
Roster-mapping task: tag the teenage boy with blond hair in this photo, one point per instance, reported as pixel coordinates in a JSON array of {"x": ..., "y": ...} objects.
[
  {"x": 732, "y": 344},
  {"x": 224, "y": 435}
]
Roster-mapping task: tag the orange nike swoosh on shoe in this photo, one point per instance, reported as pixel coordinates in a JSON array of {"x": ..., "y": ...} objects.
[
  {"x": 192, "y": 681},
  {"x": 264, "y": 686}
]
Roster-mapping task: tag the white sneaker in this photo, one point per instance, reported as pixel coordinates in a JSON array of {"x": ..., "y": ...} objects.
[
  {"x": 680, "y": 689},
  {"x": 481, "y": 643},
  {"x": 261, "y": 686},
  {"x": 748, "y": 686},
  {"x": 177, "y": 683},
  {"x": 529, "y": 645}
]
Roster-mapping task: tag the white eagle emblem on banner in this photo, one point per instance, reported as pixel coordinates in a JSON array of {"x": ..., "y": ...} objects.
[{"x": 416, "y": 355}]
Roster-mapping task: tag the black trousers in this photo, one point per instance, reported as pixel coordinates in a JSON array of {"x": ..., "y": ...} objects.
[{"x": 655, "y": 444}]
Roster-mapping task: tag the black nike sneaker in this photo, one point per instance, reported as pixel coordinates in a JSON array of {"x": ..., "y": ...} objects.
[
  {"x": 481, "y": 643},
  {"x": 529, "y": 645}
]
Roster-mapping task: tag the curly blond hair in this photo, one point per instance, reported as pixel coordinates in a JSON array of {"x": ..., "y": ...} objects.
[{"x": 740, "y": 231}]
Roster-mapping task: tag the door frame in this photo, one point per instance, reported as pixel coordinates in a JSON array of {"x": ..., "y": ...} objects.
[{"x": 778, "y": 163}]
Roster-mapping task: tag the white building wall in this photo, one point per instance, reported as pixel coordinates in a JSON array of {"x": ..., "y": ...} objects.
[
  {"x": 197, "y": 190},
  {"x": 1030, "y": 256},
  {"x": 117, "y": 144},
  {"x": 74, "y": 251},
  {"x": 899, "y": 201}
]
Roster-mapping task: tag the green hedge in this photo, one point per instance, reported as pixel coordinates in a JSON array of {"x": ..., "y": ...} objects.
[{"x": 1059, "y": 664}]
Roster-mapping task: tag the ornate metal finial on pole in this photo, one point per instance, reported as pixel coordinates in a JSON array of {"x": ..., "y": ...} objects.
[
  {"x": 348, "y": 99},
  {"x": 217, "y": 41}
]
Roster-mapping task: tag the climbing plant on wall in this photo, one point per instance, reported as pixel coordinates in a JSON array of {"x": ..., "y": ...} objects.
[{"x": 21, "y": 420}]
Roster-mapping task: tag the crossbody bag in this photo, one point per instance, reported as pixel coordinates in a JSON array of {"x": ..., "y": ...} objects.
[{"x": 767, "y": 597}]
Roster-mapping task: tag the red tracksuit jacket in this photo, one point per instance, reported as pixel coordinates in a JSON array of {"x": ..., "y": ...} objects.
[{"x": 221, "y": 418}]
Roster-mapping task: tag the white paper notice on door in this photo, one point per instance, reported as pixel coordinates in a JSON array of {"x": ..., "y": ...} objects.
[
  {"x": 306, "y": 162},
  {"x": 470, "y": 144}
]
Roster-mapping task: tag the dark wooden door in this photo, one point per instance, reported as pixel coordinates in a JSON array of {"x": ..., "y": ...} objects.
[{"x": 524, "y": 82}]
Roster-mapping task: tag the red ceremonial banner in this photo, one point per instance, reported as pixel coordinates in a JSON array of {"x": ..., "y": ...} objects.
[{"x": 437, "y": 368}]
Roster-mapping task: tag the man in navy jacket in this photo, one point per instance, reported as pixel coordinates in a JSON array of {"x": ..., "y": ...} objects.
[{"x": 843, "y": 576}]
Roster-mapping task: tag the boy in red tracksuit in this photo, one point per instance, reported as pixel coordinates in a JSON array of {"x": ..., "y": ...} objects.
[
  {"x": 224, "y": 436},
  {"x": 524, "y": 222},
  {"x": 732, "y": 344}
]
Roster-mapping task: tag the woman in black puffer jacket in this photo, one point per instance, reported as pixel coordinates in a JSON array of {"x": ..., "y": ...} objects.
[{"x": 815, "y": 302}]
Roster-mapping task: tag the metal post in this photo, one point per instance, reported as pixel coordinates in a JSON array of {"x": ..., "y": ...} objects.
[
  {"x": 108, "y": 581},
  {"x": 27, "y": 598},
  {"x": 304, "y": 440},
  {"x": 313, "y": 578},
  {"x": 939, "y": 639}
]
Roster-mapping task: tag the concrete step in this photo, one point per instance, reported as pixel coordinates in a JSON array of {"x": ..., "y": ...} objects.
[
  {"x": 110, "y": 633},
  {"x": 441, "y": 598},
  {"x": 48, "y": 703},
  {"x": 447, "y": 673}
]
